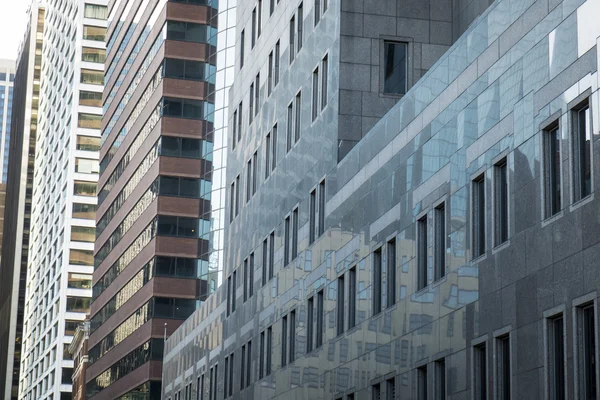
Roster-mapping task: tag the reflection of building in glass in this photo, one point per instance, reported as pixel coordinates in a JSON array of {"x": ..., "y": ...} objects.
[
  {"x": 158, "y": 245},
  {"x": 7, "y": 78},
  {"x": 391, "y": 243}
]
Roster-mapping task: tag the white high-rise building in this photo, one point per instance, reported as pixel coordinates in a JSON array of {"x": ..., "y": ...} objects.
[{"x": 62, "y": 234}]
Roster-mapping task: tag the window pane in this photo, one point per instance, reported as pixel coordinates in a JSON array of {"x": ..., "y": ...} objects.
[
  {"x": 93, "y": 55},
  {"x": 88, "y": 143},
  {"x": 174, "y": 68},
  {"x": 83, "y": 234},
  {"x": 92, "y": 99},
  {"x": 84, "y": 188},
  {"x": 87, "y": 166},
  {"x": 192, "y": 108},
  {"x": 92, "y": 77},
  {"x": 94, "y": 33},
  {"x": 167, "y": 225},
  {"x": 85, "y": 211},
  {"x": 89, "y": 121},
  {"x": 81, "y": 257},
  {"x": 169, "y": 146},
  {"x": 172, "y": 107},
  {"x": 169, "y": 186},
  {"x": 395, "y": 68},
  {"x": 189, "y": 187},
  {"x": 190, "y": 148},
  {"x": 95, "y": 11},
  {"x": 78, "y": 304},
  {"x": 80, "y": 281}
]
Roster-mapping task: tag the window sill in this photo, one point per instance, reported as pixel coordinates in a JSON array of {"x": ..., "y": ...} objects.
[
  {"x": 581, "y": 202},
  {"x": 552, "y": 218},
  {"x": 479, "y": 259},
  {"x": 501, "y": 246}
]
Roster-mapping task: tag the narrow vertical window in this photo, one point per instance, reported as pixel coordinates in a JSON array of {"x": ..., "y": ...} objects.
[
  {"x": 254, "y": 172},
  {"x": 440, "y": 241},
  {"x": 234, "y": 136},
  {"x": 501, "y": 202},
  {"x": 265, "y": 260},
  {"x": 582, "y": 153},
  {"x": 298, "y": 106},
  {"x": 230, "y": 387},
  {"x": 391, "y": 272},
  {"x": 257, "y": 95},
  {"x": 286, "y": 241},
  {"x": 422, "y": 250},
  {"x": 253, "y": 39},
  {"x": 340, "y": 305},
  {"x": 237, "y": 195},
  {"x": 251, "y": 276},
  {"x": 321, "y": 207},
  {"x": 317, "y": 10},
  {"x": 376, "y": 391},
  {"x": 552, "y": 182},
  {"x": 249, "y": 363},
  {"x": 377, "y": 284},
  {"x": 352, "y": 297},
  {"x": 395, "y": 68},
  {"x": 268, "y": 155},
  {"x": 478, "y": 216},
  {"x": 324, "y": 5},
  {"x": 315, "y": 94},
  {"x": 422, "y": 383},
  {"x": 503, "y": 367},
  {"x": 259, "y": 23},
  {"x": 320, "y": 318},
  {"x": 277, "y": 54},
  {"x": 215, "y": 385},
  {"x": 295, "y": 228},
  {"x": 292, "y": 335},
  {"x": 440, "y": 379},
  {"x": 242, "y": 41},
  {"x": 232, "y": 202},
  {"x": 556, "y": 358},
  {"x": 251, "y": 108},
  {"x": 248, "y": 180},
  {"x": 290, "y": 125},
  {"x": 201, "y": 387},
  {"x": 274, "y": 148},
  {"x": 270, "y": 76},
  {"x": 480, "y": 371},
  {"x": 292, "y": 38},
  {"x": 324, "y": 72},
  {"x": 229, "y": 295},
  {"x": 246, "y": 280},
  {"x": 226, "y": 379},
  {"x": 284, "y": 337},
  {"x": 239, "y": 128},
  {"x": 586, "y": 352},
  {"x": 310, "y": 307},
  {"x": 261, "y": 364},
  {"x": 233, "y": 289},
  {"x": 312, "y": 209},
  {"x": 243, "y": 368},
  {"x": 271, "y": 254},
  {"x": 269, "y": 350},
  {"x": 391, "y": 389},
  {"x": 300, "y": 25},
  {"x": 210, "y": 384},
  {"x": 271, "y": 7}
]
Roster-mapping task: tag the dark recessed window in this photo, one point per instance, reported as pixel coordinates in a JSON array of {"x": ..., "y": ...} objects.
[
  {"x": 582, "y": 153},
  {"x": 395, "y": 67},
  {"x": 556, "y": 358},
  {"x": 552, "y": 182},
  {"x": 501, "y": 202},
  {"x": 478, "y": 216}
]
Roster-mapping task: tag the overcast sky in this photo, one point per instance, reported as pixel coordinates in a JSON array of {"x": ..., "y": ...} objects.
[{"x": 13, "y": 20}]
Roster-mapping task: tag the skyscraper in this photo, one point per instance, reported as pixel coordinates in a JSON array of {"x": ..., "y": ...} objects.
[
  {"x": 15, "y": 246},
  {"x": 7, "y": 77},
  {"x": 154, "y": 230},
  {"x": 63, "y": 189}
]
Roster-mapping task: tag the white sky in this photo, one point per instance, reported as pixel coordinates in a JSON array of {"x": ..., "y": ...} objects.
[{"x": 13, "y": 19}]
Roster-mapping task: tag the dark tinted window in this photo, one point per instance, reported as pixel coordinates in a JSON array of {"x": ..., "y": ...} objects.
[{"x": 395, "y": 68}]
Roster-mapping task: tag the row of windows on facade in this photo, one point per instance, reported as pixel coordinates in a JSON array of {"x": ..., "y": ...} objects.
[
  {"x": 296, "y": 30},
  {"x": 319, "y": 101},
  {"x": 290, "y": 245}
]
